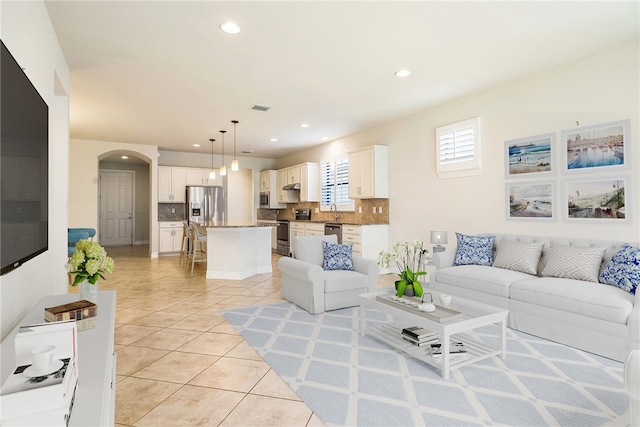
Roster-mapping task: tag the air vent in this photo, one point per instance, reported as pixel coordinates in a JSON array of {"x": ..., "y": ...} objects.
[
  {"x": 260, "y": 107},
  {"x": 248, "y": 151}
]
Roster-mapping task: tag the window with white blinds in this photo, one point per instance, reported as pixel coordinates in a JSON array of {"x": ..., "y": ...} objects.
[
  {"x": 458, "y": 149},
  {"x": 334, "y": 184}
]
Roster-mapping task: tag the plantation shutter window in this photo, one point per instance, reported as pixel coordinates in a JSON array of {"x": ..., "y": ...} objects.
[
  {"x": 334, "y": 184},
  {"x": 458, "y": 149}
]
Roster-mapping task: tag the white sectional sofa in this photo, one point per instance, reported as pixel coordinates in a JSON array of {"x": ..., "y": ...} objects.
[{"x": 595, "y": 317}]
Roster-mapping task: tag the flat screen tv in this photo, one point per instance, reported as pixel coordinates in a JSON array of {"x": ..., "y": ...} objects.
[{"x": 24, "y": 167}]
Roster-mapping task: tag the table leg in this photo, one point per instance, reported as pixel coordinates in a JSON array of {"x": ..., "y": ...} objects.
[
  {"x": 444, "y": 348},
  {"x": 503, "y": 325}
]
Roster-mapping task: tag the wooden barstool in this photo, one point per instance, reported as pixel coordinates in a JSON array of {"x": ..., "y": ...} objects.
[
  {"x": 198, "y": 252},
  {"x": 186, "y": 244}
]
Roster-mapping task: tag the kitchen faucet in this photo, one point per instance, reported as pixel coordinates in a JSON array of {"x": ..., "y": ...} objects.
[{"x": 334, "y": 208}]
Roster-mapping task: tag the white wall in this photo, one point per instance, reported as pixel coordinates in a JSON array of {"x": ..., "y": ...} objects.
[
  {"x": 596, "y": 89},
  {"x": 84, "y": 160},
  {"x": 26, "y": 30}
]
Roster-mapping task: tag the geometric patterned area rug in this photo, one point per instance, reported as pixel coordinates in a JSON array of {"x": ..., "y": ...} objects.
[{"x": 349, "y": 379}]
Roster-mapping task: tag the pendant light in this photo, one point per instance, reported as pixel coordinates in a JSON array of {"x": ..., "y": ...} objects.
[
  {"x": 212, "y": 173},
  {"x": 234, "y": 163},
  {"x": 223, "y": 168}
]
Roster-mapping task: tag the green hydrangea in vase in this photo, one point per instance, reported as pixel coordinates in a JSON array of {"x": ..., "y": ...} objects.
[
  {"x": 89, "y": 263},
  {"x": 408, "y": 257}
]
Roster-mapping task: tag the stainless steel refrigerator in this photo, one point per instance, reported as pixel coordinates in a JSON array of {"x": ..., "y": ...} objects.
[{"x": 206, "y": 205}]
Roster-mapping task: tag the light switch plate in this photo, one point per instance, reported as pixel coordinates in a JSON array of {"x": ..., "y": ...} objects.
[
  {"x": 374, "y": 209},
  {"x": 359, "y": 209},
  {"x": 317, "y": 210},
  {"x": 380, "y": 209}
]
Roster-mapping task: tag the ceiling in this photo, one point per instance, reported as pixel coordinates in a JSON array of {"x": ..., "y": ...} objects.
[{"x": 163, "y": 73}]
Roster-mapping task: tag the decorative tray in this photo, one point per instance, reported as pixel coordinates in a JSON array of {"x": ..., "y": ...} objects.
[{"x": 410, "y": 305}]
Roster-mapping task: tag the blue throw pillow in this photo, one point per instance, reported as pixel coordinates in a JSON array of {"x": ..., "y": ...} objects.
[
  {"x": 623, "y": 270},
  {"x": 337, "y": 256},
  {"x": 474, "y": 250}
]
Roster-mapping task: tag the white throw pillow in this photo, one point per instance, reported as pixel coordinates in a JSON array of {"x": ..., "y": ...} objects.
[
  {"x": 518, "y": 256},
  {"x": 574, "y": 262}
]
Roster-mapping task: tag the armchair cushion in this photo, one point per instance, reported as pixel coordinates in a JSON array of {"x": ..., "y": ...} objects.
[{"x": 337, "y": 256}]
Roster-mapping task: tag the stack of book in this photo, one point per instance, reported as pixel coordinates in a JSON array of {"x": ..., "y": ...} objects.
[
  {"x": 456, "y": 351},
  {"x": 419, "y": 336},
  {"x": 40, "y": 398},
  {"x": 83, "y": 312}
]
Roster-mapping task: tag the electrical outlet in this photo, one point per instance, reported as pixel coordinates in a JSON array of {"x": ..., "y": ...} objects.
[
  {"x": 173, "y": 210},
  {"x": 380, "y": 209},
  {"x": 317, "y": 210},
  {"x": 374, "y": 209},
  {"x": 359, "y": 209}
]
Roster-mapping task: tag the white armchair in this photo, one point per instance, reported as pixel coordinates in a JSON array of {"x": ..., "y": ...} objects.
[{"x": 306, "y": 284}]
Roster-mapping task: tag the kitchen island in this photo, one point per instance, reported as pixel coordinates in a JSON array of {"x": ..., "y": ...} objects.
[{"x": 237, "y": 250}]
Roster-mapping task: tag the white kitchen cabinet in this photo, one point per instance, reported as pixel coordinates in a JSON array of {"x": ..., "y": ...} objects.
[
  {"x": 265, "y": 180},
  {"x": 170, "y": 237},
  {"x": 200, "y": 176},
  {"x": 305, "y": 174},
  {"x": 369, "y": 173},
  {"x": 310, "y": 182},
  {"x": 293, "y": 175},
  {"x": 303, "y": 228},
  {"x": 171, "y": 184},
  {"x": 367, "y": 240}
]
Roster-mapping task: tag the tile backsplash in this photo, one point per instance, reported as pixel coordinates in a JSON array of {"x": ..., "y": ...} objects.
[
  {"x": 367, "y": 216},
  {"x": 171, "y": 212}
]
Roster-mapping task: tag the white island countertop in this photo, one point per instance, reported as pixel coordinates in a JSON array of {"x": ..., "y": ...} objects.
[
  {"x": 237, "y": 250},
  {"x": 232, "y": 224}
]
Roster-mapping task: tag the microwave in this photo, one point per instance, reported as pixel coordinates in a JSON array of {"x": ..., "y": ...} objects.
[{"x": 264, "y": 199}]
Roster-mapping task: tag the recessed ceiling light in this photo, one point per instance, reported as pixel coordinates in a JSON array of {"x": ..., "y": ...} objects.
[
  {"x": 402, "y": 73},
  {"x": 196, "y": 145},
  {"x": 274, "y": 140},
  {"x": 304, "y": 125},
  {"x": 230, "y": 27},
  {"x": 324, "y": 138},
  {"x": 124, "y": 157}
]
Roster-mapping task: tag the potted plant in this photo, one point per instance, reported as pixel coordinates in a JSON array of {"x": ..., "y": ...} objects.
[
  {"x": 89, "y": 263},
  {"x": 408, "y": 257}
]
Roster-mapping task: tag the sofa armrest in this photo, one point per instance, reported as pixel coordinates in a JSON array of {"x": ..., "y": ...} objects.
[
  {"x": 444, "y": 259},
  {"x": 369, "y": 268},
  {"x": 302, "y": 284}
]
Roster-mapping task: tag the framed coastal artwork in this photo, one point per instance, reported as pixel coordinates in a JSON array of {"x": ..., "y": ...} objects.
[
  {"x": 597, "y": 148},
  {"x": 530, "y": 201},
  {"x": 527, "y": 156},
  {"x": 596, "y": 200}
]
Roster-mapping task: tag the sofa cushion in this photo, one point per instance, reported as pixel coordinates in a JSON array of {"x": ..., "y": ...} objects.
[
  {"x": 337, "y": 256},
  {"x": 494, "y": 281},
  {"x": 575, "y": 296},
  {"x": 344, "y": 280},
  {"x": 574, "y": 262},
  {"x": 309, "y": 248},
  {"x": 474, "y": 250},
  {"x": 623, "y": 270},
  {"x": 518, "y": 256}
]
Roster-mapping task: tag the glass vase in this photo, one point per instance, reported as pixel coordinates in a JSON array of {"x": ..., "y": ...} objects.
[{"x": 88, "y": 291}]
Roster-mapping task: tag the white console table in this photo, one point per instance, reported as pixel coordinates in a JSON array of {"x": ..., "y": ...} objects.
[{"x": 95, "y": 398}]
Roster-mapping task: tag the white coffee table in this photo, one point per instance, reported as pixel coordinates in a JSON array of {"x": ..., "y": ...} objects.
[{"x": 474, "y": 315}]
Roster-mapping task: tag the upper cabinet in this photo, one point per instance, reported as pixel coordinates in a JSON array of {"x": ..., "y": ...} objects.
[
  {"x": 171, "y": 184},
  {"x": 305, "y": 174},
  {"x": 269, "y": 184},
  {"x": 200, "y": 176},
  {"x": 265, "y": 180},
  {"x": 369, "y": 173}
]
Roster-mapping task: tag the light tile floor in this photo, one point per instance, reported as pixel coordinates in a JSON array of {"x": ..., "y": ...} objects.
[{"x": 179, "y": 363}]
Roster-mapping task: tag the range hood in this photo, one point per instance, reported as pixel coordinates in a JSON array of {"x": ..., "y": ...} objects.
[{"x": 295, "y": 186}]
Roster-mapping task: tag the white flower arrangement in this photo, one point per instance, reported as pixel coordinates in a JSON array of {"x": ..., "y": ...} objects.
[
  {"x": 89, "y": 262},
  {"x": 408, "y": 258}
]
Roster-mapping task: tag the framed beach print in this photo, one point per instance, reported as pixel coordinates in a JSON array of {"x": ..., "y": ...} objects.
[
  {"x": 527, "y": 156},
  {"x": 596, "y": 200},
  {"x": 601, "y": 147},
  {"x": 530, "y": 201}
]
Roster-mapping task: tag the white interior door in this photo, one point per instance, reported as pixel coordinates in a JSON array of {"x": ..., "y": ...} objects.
[{"x": 116, "y": 208}]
